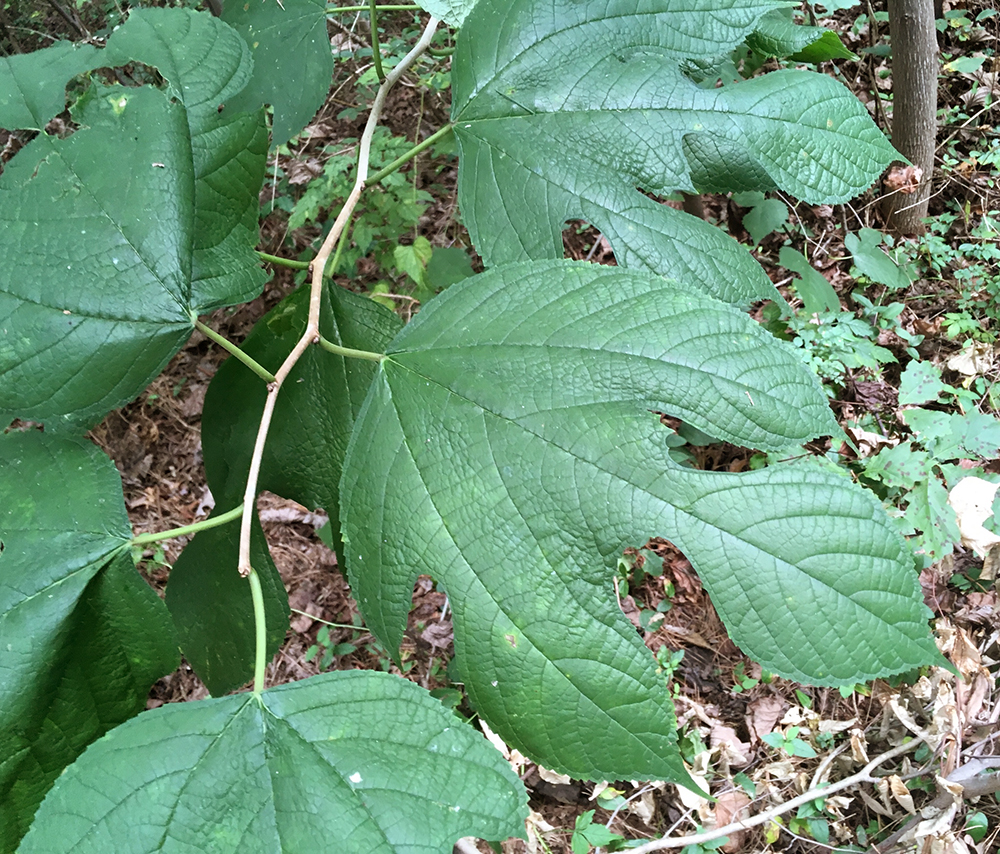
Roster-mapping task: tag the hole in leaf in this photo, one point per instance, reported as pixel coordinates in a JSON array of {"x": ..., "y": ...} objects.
[
  {"x": 583, "y": 242},
  {"x": 694, "y": 448}
]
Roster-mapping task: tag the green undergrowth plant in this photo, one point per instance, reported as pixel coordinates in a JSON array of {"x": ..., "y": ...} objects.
[
  {"x": 504, "y": 442},
  {"x": 941, "y": 427},
  {"x": 383, "y": 218}
]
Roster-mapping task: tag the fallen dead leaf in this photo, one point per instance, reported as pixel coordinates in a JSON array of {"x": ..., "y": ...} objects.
[
  {"x": 859, "y": 746},
  {"x": 764, "y": 713},
  {"x": 514, "y": 757},
  {"x": 729, "y": 807},
  {"x": 972, "y": 500},
  {"x": 901, "y": 794},
  {"x": 974, "y": 359},
  {"x": 732, "y": 750},
  {"x": 438, "y": 635},
  {"x": 869, "y": 443},
  {"x": 554, "y": 777},
  {"x": 903, "y": 179}
]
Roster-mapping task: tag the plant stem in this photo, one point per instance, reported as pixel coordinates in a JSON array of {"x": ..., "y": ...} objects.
[
  {"x": 340, "y": 250},
  {"x": 260, "y": 652},
  {"x": 283, "y": 262},
  {"x": 346, "y": 9},
  {"x": 193, "y": 528},
  {"x": 311, "y": 333},
  {"x": 413, "y": 152},
  {"x": 230, "y": 347},
  {"x": 376, "y": 50},
  {"x": 347, "y": 352}
]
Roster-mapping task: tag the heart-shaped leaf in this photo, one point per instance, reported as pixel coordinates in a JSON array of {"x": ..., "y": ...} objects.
[
  {"x": 508, "y": 449},
  {"x": 83, "y": 636},
  {"x": 549, "y": 132},
  {"x": 163, "y": 235},
  {"x": 346, "y": 760}
]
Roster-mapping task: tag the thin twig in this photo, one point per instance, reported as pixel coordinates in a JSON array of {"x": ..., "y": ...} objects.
[
  {"x": 7, "y": 29},
  {"x": 75, "y": 24},
  {"x": 863, "y": 776},
  {"x": 311, "y": 334}
]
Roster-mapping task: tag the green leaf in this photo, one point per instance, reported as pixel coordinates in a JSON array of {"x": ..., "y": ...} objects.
[
  {"x": 929, "y": 513},
  {"x": 899, "y": 466},
  {"x": 548, "y": 131},
  {"x": 292, "y": 62},
  {"x": 828, "y": 46},
  {"x": 83, "y": 636},
  {"x": 777, "y": 35},
  {"x": 774, "y": 739},
  {"x": 212, "y": 606},
  {"x": 866, "y": 247},
  {"x": 977, "y": 825},
  {"x": 816, "y": 292},
  {"x": 412, "y": 260},
  {"x": 33, "y": 85},
  {"x": 950, "y": 435},
  {"x": 797, "y": 747},
  {"x": 920, "y": 383},
  {"x": 343, "y": 759},
  {"x": 964, "y": 64},
  {"x": 452, "y": 12},
  {"x": 764, "y": 216},
  {"x": 108, "y": 267},
  {"x": 447, "y": 266},
  {"x": 508, "y": 449},
  {"x": 315, "y": 411}
]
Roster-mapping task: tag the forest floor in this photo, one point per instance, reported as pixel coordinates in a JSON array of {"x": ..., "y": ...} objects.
[{"x": 755, "y": 740}]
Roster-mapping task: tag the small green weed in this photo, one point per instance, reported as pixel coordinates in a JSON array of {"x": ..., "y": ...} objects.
[
  {"x": 705, "y": 847},
  {"x": 913, "y": 476},
  {"x": 742, "y": 682},
  {"x": 810, "y": 820},
  {"x": 790, "y": 743},
  {"x": 587, "y": 835},
  {"x": 837, "y": 342},
  {"x": 960, "y": 249},
  {"x": 327, "y": 649}
]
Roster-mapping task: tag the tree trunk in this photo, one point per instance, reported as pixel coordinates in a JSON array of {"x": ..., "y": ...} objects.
[{"x": 914, "y": 111}]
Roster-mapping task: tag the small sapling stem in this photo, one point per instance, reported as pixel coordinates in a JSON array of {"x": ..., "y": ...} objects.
[{"x": 376, "y": 50}]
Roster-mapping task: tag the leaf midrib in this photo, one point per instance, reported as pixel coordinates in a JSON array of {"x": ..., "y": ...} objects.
[{"x": 762, "y": 394}]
